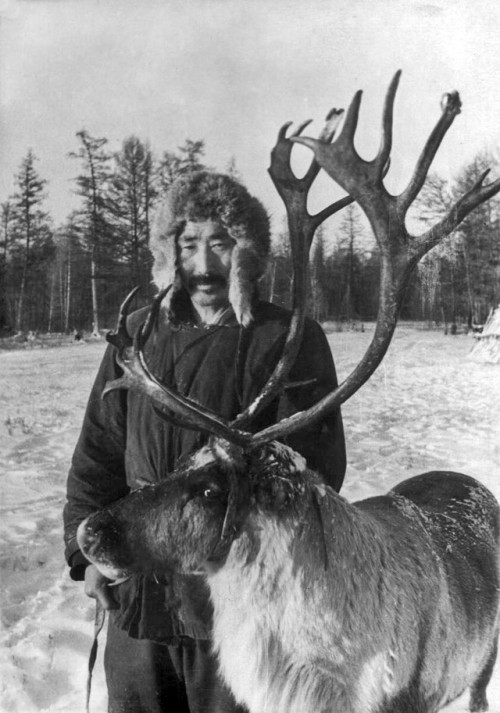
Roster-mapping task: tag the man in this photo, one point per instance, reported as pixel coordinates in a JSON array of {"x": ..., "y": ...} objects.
[{"x": 216, "y": 343}]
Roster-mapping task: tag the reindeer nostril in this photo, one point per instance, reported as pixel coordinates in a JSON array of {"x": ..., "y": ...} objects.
[
  {"x": 90, "y": 537},
  {"x": 86, "y": 537}
]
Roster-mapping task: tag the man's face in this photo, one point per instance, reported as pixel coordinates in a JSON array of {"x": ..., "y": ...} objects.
[{"x": 204, "y": 250}]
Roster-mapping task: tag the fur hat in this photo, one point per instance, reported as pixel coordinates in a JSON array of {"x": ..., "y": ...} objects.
[{"x": 205, "y": 195}]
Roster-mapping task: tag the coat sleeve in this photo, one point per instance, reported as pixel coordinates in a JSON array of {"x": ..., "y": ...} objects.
[
  {"x": 322, "y": 444},
  {"x": 97, "y": 474}
]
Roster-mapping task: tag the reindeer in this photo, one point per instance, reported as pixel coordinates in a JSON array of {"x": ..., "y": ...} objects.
[{"x": 387, "y": 605}]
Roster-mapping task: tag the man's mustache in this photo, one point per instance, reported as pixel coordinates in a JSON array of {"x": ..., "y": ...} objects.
[{"x": 206, "y": 280}]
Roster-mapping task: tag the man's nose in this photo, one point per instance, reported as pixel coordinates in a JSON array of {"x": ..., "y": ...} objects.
[{"x": 206, "y": 260}]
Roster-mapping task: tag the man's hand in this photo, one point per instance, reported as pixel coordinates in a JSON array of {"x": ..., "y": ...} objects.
[{"x": 96, "y": 586}]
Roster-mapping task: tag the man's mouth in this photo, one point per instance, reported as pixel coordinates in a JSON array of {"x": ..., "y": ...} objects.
[{"x": 208, "y": 281}]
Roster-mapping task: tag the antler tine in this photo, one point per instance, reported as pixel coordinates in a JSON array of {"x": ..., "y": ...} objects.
[
  {"x": 302, "y": 226},
  {"x": 332, "y": 122},
  {"x": 146, "y": 329},
  {"x": 451, "y": 106},
  {"x": 120, "y": 338},
  {"x": 280, "y": 170},
  {"x": 384, "y": 153},
  {"x": 283, "y": 131},
  {"x": 478, "y": 194},
  {"x": 332, "y": 119},
  {"x": 301, "y": 127},
  {"x": 294, "y": 190},
  {"x": 138, "y": 377},
  {"x": 346, "y": 136},
  {"x": 343, "y": 163},
  {"x": 332, "y": 209},
  {"x": 400, "y": 251}
]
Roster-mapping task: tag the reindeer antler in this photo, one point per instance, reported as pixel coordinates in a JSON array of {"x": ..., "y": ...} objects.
[
  {"x": 137, "y": 377},
  {"x": 400, "y": 251},
  {"x": 302, "y": 226}
]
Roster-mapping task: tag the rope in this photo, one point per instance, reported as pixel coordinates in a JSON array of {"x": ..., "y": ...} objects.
[{"x": 100, "y": 618}]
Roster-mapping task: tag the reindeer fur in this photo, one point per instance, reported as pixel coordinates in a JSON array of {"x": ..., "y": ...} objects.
[{"x": 386, "y": 605}]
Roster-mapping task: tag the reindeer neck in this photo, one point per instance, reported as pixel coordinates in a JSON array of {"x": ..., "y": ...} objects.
[{"x": 281, "y": 543}]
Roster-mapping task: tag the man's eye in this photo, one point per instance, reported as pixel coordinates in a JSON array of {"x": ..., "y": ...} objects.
[{"x": 222, "y": 243}]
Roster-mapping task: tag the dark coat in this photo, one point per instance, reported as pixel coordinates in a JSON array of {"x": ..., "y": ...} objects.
[{"x": 124, "y": 445}]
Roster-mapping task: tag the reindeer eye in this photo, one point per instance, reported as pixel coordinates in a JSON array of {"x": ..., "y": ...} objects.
[
  {"x": 211, "y": 492},
  {"x": 205, "y": 488}
]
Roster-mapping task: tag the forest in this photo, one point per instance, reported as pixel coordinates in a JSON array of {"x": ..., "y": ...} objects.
[{"x": 71, "y": 278}]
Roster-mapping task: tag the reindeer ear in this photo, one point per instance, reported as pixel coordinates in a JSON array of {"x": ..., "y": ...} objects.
[
  {"x": 278, "y": 494},
  {"x": 278, "y": 477}
]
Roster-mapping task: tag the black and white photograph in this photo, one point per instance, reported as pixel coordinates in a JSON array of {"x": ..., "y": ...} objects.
[{"x": 249, "y": 356}]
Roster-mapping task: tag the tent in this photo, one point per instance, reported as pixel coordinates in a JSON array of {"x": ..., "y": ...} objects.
[{"x": 487, "y": 344}]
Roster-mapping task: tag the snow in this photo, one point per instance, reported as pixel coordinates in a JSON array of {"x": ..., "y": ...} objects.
[{"x": 427, "y": 407}]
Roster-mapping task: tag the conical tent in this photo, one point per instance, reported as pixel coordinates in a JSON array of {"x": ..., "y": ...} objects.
[{"x": 487, "y": 345}]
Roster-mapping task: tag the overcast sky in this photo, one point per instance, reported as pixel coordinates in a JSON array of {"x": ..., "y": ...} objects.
[{"x": 232, "y": 72}]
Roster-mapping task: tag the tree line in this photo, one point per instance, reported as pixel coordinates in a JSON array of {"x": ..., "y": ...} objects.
[{"x": 73, "y": 276}]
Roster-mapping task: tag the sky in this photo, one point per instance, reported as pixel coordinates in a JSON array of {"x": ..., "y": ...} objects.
[{"x": 231, "y": 72}]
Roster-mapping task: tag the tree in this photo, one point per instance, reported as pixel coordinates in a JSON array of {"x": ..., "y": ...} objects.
[
  {"x": 370, "y": 282},
  {"x": 132, "y": 194},
  {"x": 318, "y": 277},
  {"x": 480, "y": 241},
  {"x": 31, "y": 230},
  {"x": 190, "y": 156},
  {"x": 461, "y": 276},
  {"x": 70, "y": 297},
  {"x": 347, "y": 258},
  {"x": 6, "y": 319},
  {"x": 232, "y": 169},
  {"x": 187, "y": 160},
  {"x": 92, "y": 186},
  {"x": 439, "y": 271},
  {"x": 277, "y": 285}
]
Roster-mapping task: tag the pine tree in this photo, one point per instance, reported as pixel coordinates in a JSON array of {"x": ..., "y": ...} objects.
[
  {"x": 132, "y": 195},
  {"x": 191, "y": 154},
  {"x": 348, "y": 258},
  {"x": 277, "y": 285},
  {"x": 187, "y": 160},
  {"x": 31, "y": 234},
  {"x": 92, "y": 187},
  {"x": 318, "y": 277},
  {"x": 6, "y": 313},
  {"x": 69, "y": 286}
]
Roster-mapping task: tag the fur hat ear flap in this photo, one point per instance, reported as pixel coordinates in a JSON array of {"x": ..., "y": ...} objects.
[
  {"x": 163, "y": 246},
  {"x": 247, "y": 267}
]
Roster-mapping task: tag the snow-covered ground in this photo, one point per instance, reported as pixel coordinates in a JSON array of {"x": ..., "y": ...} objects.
[{"x": 427, "y": 407}]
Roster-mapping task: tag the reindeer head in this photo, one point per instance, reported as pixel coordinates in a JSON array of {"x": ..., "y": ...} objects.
[
  {"x": 188, "y": 522},
  {"x": 193, "y": 517}
]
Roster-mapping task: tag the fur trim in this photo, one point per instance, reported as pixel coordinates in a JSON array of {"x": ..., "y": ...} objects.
[{"x": 205, "y": 195}]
